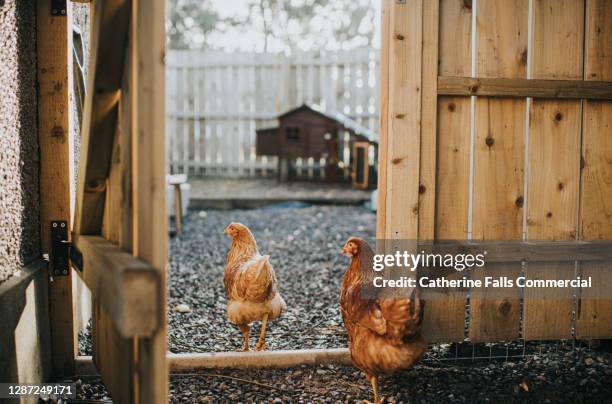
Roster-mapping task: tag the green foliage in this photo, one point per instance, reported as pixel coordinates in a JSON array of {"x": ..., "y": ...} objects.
[{"x": 189, "y": 22}]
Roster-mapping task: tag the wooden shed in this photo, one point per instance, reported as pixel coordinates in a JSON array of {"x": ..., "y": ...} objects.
[{"x": 309, "y": 132}]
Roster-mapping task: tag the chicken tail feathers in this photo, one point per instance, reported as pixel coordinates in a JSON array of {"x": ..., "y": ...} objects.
[
  {"x": 403, "y": 316},
  {"x": 257, "y": 282}
]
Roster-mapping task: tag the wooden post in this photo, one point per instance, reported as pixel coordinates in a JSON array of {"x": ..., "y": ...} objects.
[
  {"x": 178, "y": 208},
  {"x": 149, "y": 188},
  {"x": 54, "y": 58}
]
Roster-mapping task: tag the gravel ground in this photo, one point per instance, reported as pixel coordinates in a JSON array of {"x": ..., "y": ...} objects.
[{"x": 304, "y": 246}]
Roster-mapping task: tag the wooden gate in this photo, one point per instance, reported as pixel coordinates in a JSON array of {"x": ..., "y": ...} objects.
[
  {"x": 497, "y": 125},
  {"x": 120, "y": 227}
]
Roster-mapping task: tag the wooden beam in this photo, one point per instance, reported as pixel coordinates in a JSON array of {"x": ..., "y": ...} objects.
[
  {"x": 110, "y": 24},
  {"x": 54, "y": 52},
  {"x": 531, "y": 251},
  {"x": 521, "y": 88},
  {"x": 240, "y": 360},
  {"x": 127, "y": 288},
  {"x": 262, "y": 359}
]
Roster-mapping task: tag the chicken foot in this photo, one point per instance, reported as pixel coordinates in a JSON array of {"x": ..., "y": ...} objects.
[
  {"x": 374, "y": 382},
  {"x": 245, "y": 329},
  {"x": 261, "y": 344}
]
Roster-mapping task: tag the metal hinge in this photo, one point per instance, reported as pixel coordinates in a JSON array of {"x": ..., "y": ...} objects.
[
  {"x": 62, "y": 251},
  {"x": 58, "y": 8}
]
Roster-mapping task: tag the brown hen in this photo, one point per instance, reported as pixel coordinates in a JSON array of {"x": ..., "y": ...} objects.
[
  {"x": 250, "y": 284},
  {"x": 384, "y": 333}
]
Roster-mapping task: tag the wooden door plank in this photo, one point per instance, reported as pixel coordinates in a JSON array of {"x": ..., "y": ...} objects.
[
  {"x": 54, "y": 53},
  {"x": 444, "y": 309},
  {"x": 149, "y": 188},
  {"x": 455, "y": 38},
  {"x": 554, "y": 163},
  {"x": 598, "y": 57},
  {"x": 429, "y": 108},
  {"x": 383, "y": 146},
  {"x": 552, "y": 211},
  {"x": 558, "y": 34},
  {"x": 501, "y": 37},
  {"x": 594, "y": 317},
  {"x": 404, "y": 116},
  {"x": 444, "y": 317},
  {"x": 499, "y": 160}
]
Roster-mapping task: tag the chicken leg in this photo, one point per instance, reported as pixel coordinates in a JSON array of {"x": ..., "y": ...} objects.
[
  {"x": 245, "y": 329},
  {"x": 261, "y": 344},
  {"x": 374, "y": 381}
]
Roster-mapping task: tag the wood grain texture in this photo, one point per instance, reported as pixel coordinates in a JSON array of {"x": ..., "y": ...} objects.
[
  {"x": 404, "y": 117},
  {"x": 594, "y": 317},
  {"x": 558, "y": 35},
  {"x": 441, "y": 320},
  {"x": 444, "y": 317},
  {"x": 521, "y": 88},
  {"x": 126, "y": 290},
  {"x": 554, "y": 162},
  {"x": 501, "y": 38},
  {"x": 113, "y": 352},
  {"x": 453, "y": 168},
  {"x": 594, "y": 314},
  {"x": 149, "y": 187},
  {"x": 499, "y": 162},
  {"x": 598, "y": 58},
  {"x": 429, "y": 113},
  {"x": 553, "y": 182},
  {"x": 596, "y": 192},
  {"x": 548, "y": 312},
  {"x": 383, "y": 146},
  {"x": 455, "y": 43},
  {"x": 54, "y": 40},
  {"x": 499, "y": 133}
]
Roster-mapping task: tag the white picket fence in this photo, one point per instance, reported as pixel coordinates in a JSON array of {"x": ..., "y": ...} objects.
[{"x": 216, "y": 101}]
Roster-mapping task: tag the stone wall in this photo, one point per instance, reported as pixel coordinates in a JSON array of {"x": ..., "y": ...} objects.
[{"x": 19, "y": 162}]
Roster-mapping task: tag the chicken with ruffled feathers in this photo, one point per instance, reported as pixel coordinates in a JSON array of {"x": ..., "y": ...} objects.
[
  {"x": 250, "y": 284},
  {"x": 384, "y": 333}
]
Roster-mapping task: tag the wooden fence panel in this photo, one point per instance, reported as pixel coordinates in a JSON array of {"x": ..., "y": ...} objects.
[
  {"x": 217, "y": 100},
  {"x": 505, "y": 166},
  {"x": 594, "y": 314}
]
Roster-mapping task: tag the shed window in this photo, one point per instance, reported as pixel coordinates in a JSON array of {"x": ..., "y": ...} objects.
[{"x": 293, "y": 134}]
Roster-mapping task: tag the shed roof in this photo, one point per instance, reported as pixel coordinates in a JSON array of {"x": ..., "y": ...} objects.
[{"x": 339, "y": 118}]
